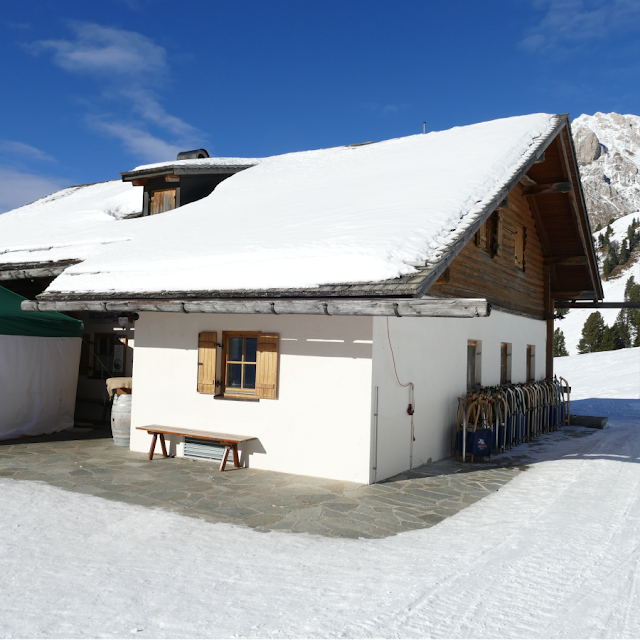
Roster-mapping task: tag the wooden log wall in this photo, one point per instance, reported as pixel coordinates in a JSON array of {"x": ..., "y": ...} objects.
[{"x": 479, "y": 273}]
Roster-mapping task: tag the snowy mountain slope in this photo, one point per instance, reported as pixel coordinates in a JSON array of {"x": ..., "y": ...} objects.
[
  {"x": 571, "y": 325},
  {"x": 608, "y": 151},
  {"x": 606, "y": 374}
]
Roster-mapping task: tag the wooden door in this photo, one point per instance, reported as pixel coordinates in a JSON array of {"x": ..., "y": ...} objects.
[{"x": 161, "y": 201}]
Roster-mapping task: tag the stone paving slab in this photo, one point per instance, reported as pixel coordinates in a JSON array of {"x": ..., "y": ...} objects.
[{"x": 264, "y": 500}]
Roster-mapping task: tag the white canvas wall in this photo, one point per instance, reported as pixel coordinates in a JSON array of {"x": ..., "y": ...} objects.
[
  {"x": 432, "y": 353},
  {"x": 38, "y": 380},
  {"x": 320, "y": 425}
]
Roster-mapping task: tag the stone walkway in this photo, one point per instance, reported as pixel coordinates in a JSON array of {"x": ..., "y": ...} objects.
[{"x": 88, "y": 462}]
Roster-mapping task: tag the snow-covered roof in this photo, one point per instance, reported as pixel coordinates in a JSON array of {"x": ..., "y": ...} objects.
[
  {"x": 310, "y": 220},
  {"x": 71, "y": 224},
  {"x": 202, "y": 162}
]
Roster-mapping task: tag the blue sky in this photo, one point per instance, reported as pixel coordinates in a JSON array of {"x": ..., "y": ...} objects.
[{"x": 94, "y": 88}]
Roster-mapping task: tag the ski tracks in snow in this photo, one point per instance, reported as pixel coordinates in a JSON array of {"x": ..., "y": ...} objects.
[{"x": 553, "y": 554}]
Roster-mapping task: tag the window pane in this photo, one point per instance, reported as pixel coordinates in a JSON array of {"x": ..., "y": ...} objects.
[
  {"x": 235, "y": 349},
  {"x": 234, "y": 375},
  {"x": 250, "y": 349},
  {"x": 249, "y": 376}
]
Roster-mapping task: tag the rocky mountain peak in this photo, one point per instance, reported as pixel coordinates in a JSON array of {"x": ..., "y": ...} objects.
[{"x": 608, "y": 151}]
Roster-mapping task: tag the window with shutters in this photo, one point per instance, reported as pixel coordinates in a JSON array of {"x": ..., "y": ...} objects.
[
  {"x": 248, "y": 368},
  {"x": 489, "y": 235}
]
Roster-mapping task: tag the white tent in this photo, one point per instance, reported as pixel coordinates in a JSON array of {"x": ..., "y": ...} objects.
[{"x": 39, "y": 360}]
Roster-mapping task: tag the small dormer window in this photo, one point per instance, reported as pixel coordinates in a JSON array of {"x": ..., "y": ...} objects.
[
  {"x": 162, "y": 200},
  {"x": 193, "y": 176}
]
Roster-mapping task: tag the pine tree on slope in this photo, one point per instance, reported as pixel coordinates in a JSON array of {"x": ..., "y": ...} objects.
[
  {"x": 559, "y": 345},
  {"x": 593, "y": 334},
  {"x": 632, "y": 294}
]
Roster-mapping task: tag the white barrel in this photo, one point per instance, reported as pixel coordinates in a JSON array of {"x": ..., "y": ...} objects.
[{"x": 121, "y": 420}]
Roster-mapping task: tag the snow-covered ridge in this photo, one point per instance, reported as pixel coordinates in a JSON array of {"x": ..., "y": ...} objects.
[
  {"x": 608, "y": 150},
  {"x": 202, "y": 162}
]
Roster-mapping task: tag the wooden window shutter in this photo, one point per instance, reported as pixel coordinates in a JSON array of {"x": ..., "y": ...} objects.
[
  {"x": 481, "y": 236},
  {"x": 519, "y": 247},
  {"x": 497, "y": 249},
  {"x": 267, "y": 370},
  {"x": 207, "y": 351}
]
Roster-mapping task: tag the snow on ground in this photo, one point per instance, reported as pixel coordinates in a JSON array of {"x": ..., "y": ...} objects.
[
  {"x": 332, "y": 215},
  {"x": 613, "y": 288},
  {"x": 554, "y": 553}
]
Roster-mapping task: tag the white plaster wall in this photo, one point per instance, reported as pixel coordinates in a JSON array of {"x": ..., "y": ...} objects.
[
  {"x": 432, "y": 353},
  {"x": 320, "y": 425}
]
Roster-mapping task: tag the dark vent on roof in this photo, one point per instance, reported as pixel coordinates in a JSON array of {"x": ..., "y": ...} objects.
[{"x": 196, "y": 154}]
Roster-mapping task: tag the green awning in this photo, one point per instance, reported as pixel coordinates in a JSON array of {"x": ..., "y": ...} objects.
[{"x": 16, "y": 322}]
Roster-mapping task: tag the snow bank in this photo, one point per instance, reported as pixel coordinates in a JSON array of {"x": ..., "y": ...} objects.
[
  {"x": 334, "y": 215},
  {"x": 71, "y": 224}
]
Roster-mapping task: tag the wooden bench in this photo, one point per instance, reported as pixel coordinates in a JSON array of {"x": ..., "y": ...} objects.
[{"x": 228, "y": 441}]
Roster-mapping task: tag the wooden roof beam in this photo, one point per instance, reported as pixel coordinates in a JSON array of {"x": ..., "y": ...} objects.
[
  {"x": 567, "y": 304},
  {"x": 552, "y": 187},
  {"x": 399, "y": 307},
  {"x": 566, "y": 260},
  {"x": 574, "y": 295}
]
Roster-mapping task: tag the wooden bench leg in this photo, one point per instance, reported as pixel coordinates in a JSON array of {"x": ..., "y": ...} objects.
[
  {"x": 235, "y": 456},
  {"x": 164, "y": 448},
  {"x": 223, "y": 462},
  {"x": 153, "y": 446}
]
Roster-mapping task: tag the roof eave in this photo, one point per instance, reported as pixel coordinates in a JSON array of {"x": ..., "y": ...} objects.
[{"x": 184, "y": 170}]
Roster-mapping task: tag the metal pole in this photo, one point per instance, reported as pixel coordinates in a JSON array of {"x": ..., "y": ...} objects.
[{"x": 375, "y": 455}]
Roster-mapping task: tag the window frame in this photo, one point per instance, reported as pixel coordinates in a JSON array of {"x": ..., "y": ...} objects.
[
  {"x": 505, "y": 362},
  {"x": 477, "y": 382},
  {"x": 235, "y": 392},
  {"x": 531, "y": 363}
]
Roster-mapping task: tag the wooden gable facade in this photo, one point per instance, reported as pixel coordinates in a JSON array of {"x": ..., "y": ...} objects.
[
  {"x": 487, "y": 265},
  {"x": 535, "y": 248}
]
